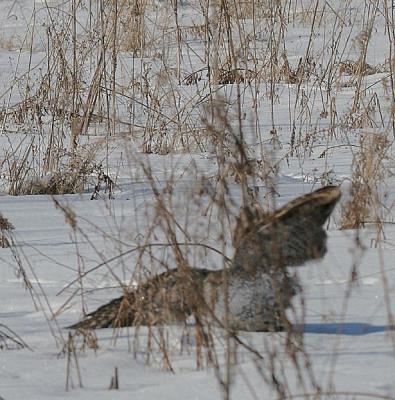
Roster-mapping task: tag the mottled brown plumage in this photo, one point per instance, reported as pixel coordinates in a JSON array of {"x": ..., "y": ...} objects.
[
  {"x": 290, "y": 236},
  {"x": 259, "y": 287}
]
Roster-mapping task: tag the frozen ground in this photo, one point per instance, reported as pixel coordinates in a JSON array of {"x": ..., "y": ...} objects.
[
  {"x": 355, "y": 343},
  {"x": 349, "y": 333}
]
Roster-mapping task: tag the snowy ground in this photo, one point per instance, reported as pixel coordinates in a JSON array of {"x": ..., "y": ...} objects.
[
  {"x": 349, "y": 333},
  {"x": 357, "y": 339}
]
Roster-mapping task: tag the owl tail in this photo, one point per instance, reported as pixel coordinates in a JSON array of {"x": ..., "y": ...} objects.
[{"x": 116, "y": 313}]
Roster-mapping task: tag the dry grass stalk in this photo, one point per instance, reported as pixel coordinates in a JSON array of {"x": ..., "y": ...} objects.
[
  {"x": 9, "y": 340},
  {"x": 5, "y": 228},
  {"x": 132, "y": 21},
  {"x": 369, "y": 172}
]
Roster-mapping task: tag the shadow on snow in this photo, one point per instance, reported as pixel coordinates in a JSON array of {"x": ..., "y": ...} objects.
[{"x": 345, "y": 328}]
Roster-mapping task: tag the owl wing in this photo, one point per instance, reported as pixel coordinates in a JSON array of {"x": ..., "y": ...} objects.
[{"x": 291, "y": 236}]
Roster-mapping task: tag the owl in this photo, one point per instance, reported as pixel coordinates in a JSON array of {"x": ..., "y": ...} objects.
[{"x": 253, "y": 293}]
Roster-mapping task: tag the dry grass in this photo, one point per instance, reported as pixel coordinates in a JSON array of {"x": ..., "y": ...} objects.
[
  {"x": 369, "y": 174},
  {"x": 9, "y": 340}
]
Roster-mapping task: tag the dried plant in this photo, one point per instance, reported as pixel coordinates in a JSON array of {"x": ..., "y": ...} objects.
[
  {"x": 369, "y": 173},
  {"x": 10, "y": 340}
]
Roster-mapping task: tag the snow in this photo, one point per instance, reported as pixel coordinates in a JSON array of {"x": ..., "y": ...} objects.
[{"x": 348, "y": 300}]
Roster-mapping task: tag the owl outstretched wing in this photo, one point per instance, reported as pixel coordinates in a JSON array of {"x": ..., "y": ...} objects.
[{"x": 290, "y": 236}]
